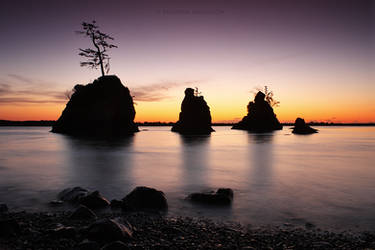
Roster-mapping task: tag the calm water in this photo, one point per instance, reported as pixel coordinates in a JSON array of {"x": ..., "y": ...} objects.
[{"x": 327, "y": 179}]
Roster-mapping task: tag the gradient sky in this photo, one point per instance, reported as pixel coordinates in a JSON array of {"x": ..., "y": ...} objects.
[{"x": 317, "y": 56}]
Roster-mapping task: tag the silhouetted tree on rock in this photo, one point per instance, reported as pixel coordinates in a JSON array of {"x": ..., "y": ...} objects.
[
  {"x": 104, "y": 107},
  {"x": 300, "y": 127},
  {"x": 98, "y": 56},
  {"x": 260, "y": 117},
  {"x": 195, "y": 116}
]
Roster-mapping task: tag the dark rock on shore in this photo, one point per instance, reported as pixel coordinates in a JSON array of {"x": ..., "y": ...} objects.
[
  {"x": 260, "y": 117},
  {"x": 145, "y": 198},
  {"x": 102, "y": 108},
  {"x": 63, "y": 232},
  {"x": 195, "y": 115},
  {"x": 223, "y": 196},
  {"x": 300, "y": 127},
  {"x": 72, "y": 195},
  {"x": 56, "y": 203},
  {"x": 94, "y": 200},
  {"x": 3, "y": 208},
  {"x": 108, "y": 230},
  {"x": 88, "y": 245},
  {"x": 9, "y": 227},
  {"x": 116, "y": 204},
  {"x": 116, "y": 245},
  {"x": 83, "y": 213}
]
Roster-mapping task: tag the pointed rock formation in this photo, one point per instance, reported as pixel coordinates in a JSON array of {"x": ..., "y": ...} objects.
[
  {"x": 300, "y": 127},
  {"x": 195, "y": 116},
  {"x": 104, "y": 107},
  {"x": 260, "y": 117}
]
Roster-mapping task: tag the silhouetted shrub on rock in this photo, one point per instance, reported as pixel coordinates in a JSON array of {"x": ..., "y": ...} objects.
[
  {"x": 195, "y": 116},
  {"x": 300, "y": 127},
  {"x": 102, "y": 108},
  {"x": 260, "y": 117}
]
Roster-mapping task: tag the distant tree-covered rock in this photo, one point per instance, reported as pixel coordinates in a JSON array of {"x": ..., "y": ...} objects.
[{"x": 260, "y": 117}]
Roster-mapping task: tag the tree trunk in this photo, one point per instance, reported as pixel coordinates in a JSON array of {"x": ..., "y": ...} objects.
[{"x": 100, "y": 55}]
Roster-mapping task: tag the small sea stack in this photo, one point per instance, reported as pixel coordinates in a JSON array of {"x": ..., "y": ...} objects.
[
  {"x": 195, "y": 116},
  {"x": 260, "y": 117},
  {"x": 102, "y": 108},
  {"x": 300, "y": 127}
]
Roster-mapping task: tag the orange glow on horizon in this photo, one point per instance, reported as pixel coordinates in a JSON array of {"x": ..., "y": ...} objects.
[{"x": 221, "y": 113}]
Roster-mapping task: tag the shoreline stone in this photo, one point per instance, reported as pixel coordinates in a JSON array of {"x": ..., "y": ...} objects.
[
  {"x": 154, "y": 231},
  {"x": 145, "y": 198},
  {"x": 223, "y": 196}
]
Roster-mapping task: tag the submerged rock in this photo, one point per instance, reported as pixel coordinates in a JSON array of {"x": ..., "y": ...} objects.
[
  {"x": 104, "y": 107},
  {"x": 108, "y": 230},
  {"x": 195, "y": 116},
  {"x": 94, "y": 200},
  {"x": 223, "y": 196},
  {"x": 145, "y": 198},
  {"x": 300, "y": 127},
  {"x": 260, "y": 117}
]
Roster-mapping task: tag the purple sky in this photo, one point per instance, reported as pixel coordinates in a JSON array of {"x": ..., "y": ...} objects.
[{"x": 226, "y": 48}]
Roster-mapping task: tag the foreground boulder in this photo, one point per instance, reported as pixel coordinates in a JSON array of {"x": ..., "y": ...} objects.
[
  {"x": 116, "y": 245},
  {"x": 83, "y": 213},
  {"x": 108, "y": 230},
  {"x": 3, "y": 208},
  {"x": 223, "y": 196},
  {"x": 72, "y": 195},
  {"x": 195, "y": 116},
  {"x": 104, "y": 107},
  {"x": 94, "y": 200},
  {"x": 300, "y": 127},
  {"x": 9, "y": 227},
  {"x": 260, "y": 117},
  {"x": 145, "y": 198}
]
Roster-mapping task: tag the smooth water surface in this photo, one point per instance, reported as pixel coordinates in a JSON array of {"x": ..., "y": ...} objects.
[{"x": 327, "y": 179}]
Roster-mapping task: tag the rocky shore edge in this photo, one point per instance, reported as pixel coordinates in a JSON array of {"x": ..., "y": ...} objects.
[{"x": 143, "y": 230}]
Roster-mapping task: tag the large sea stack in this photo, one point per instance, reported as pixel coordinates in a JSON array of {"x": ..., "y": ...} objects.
[
  {"x": 260, "y": 117},
  {"x": 195, "y": 116},
  {"x": 102, "y": 108}
]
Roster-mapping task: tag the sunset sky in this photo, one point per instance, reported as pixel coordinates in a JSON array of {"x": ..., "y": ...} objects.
[{"x": 317, "y": 56}]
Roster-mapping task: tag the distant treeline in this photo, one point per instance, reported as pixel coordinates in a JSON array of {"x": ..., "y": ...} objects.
[
  {"x": 26, "y": 123},
  {"x": 50, "y": 123}
]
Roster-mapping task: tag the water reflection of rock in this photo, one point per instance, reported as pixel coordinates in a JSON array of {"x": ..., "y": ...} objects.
[
  {"x": 100, "y": 164},
  {"x": 260, "y": 176},
  {"x": 195, "y": 151},
  {"x": 196, "y": 176},
  {"x": 261, "y": 157}
]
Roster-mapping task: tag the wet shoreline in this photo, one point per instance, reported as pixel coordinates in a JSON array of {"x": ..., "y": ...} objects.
[{"x": 57, "y": 230}]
